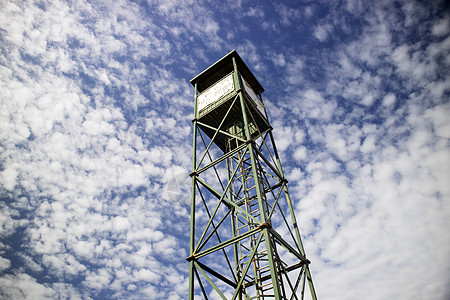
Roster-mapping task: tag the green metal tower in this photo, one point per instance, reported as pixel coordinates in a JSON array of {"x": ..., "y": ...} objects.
[{"x": 244, "y": 242}]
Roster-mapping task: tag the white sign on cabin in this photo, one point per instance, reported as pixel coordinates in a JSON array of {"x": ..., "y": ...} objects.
[
  {"x": 215, "y": 92},
  {"x": 255, "y": 98}
]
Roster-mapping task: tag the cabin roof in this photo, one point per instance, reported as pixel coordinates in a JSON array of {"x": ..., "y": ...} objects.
[{"x": 221, "y": 68}]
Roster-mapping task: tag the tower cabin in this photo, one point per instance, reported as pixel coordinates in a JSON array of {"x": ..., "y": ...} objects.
[{"x": 218, "y": 105}]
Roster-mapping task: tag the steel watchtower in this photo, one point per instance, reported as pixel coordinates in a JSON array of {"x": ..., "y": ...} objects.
[{"x": 244, "y": 238}]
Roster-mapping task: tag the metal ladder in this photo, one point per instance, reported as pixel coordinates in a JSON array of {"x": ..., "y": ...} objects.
[{"x": 260, "y": 276}]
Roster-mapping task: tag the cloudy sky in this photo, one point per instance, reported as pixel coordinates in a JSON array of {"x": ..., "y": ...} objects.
[{"x": 95, "y": 140}]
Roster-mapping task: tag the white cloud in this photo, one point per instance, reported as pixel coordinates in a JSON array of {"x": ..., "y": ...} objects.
[
  {"x": 9, "y": 178},
  {"x": 284, "y": 138},
  {"x": 4, "y": 264},
  {"x": 95, "y": 117},
  {"x": 301, "y": 153},
  {"x": 356, "y": 6},
  {"x": 279, "y": 60},
  {"x": 166, "y": 246},
  {"x": 441, "y": 27},
  {"x": 294, "y": 70},
  {"x": 73, "y": 154},
  {"x": 321, "y": 32},
  {"x": 97, "y": 280},
  {"x": 389, "y": 99},
  {"x": 368, "y": 145},
  {"x": 145, "y": 234},
  {"x": 287, "y": 14},
  {"x": 146, "y": 275},
  {"x": 84, "y": 248},
  {"x": 120, "y": 223},
  {"x": 23, "y": 286}
]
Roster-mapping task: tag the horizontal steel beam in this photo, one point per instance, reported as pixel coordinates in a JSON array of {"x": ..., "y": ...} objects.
[
  {"x": 286, "y": 270},
  {"x": 225, "y": 244}
]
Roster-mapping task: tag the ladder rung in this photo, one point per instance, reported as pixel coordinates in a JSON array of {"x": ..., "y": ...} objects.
[
  {"x": 249, "y": 189},
  {"x": 248, "y": 168},
  {"x": 264, "y": 285},
  {"x": 244, "y": 225},
  {"x": 264, "y": 272},
  {"x": 265, "y": 267}
]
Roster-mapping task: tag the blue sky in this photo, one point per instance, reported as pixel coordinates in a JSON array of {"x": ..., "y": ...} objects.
[{"x": 95, "y": 140}]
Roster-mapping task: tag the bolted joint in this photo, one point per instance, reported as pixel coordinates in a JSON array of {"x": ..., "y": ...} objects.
[
  {"x": 194, "y": 120},
  {"x": 250, "y": 141},
  {"x": 190, "y": 258},
  {"x": 193, "y": 173},
  {"x": 284, "y": 180},
  {"x": 264, "y": 225}
]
